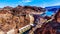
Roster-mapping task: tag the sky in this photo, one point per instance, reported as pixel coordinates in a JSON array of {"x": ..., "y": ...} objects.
[{"x": 39, "y": 3}]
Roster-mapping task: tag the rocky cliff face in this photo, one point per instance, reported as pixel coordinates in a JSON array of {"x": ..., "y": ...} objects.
[{"x": 18, "y": 17}]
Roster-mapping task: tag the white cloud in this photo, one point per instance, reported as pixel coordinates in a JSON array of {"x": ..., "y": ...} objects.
[
  {"x": 27, "y": 0},
  {"x": 23, "y": 2}
]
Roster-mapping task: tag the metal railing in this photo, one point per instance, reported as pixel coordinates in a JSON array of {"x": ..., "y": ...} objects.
[{"x": 25, "y": 28}]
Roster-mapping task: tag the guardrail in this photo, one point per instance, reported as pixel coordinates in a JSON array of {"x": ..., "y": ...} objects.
[{"x": 23, "y": 29}]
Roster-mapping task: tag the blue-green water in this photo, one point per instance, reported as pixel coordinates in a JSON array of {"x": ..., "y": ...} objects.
[{"x": 49, "y": 13}]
